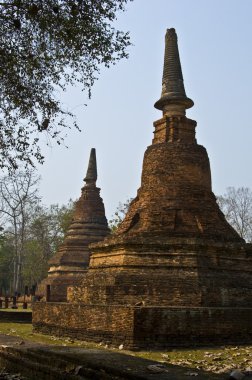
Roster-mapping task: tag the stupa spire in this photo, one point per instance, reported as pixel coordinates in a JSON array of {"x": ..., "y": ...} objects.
[
  {"x": 91, "y": 175},
  {"x": 173, "y": 99}
]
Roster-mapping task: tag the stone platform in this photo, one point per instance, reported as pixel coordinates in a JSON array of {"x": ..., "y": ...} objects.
[
  {"x": 143, "y": 327},
  {"x": 175, "y": 272}
]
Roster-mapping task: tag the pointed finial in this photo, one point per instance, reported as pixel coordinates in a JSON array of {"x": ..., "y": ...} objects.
[
  {"x": 91, "y": 175},
  {"x": 173, "y": 99}
]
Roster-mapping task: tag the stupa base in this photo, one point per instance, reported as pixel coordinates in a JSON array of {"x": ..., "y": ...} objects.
[
  {"x": 145, "y": 327},
  {"x": 59, "y": 283}
]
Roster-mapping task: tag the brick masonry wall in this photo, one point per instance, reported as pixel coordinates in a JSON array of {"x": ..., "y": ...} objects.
[
  {"x": 189, "y": 276},
  {"x": 143, "y": 327},
  {"x": 59, "y": 284},
  {"x": 87, "y": 322},
  {"x": 192, "y": 326},
  {"x": 175, "y": 197}
]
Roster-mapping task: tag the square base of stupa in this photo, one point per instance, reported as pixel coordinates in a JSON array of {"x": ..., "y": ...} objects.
[{"x": 145, "y": 327}]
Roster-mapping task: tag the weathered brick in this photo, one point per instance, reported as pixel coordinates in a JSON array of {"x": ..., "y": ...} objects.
[{"x": 175, "y": 272}]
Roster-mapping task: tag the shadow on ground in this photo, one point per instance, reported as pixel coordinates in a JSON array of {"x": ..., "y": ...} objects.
[{"x": 39, "y": 361}]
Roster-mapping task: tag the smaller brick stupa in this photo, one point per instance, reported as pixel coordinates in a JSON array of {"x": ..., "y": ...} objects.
[{"x": 89, "y": 225}]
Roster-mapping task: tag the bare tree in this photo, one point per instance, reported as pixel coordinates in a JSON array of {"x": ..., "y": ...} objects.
[
  {"x": 18, "y": 197},
  {"x": 236, "y": 204}
]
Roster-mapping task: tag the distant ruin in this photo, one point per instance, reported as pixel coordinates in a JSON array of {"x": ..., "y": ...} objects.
[
  {"x": 89, "y": 225},
  {"x": 175, "y": 272}
]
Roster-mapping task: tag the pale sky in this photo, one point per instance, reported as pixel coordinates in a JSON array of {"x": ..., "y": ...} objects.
[{"x": 215, "y": 43}]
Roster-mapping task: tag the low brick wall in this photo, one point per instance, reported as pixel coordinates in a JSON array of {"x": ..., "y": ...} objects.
[
  {"x": 145, "y": 327},
  {"x": 16, "y": 316},
  {"x": 163, "y": 327},
  {"x": 85, "y": 322}
]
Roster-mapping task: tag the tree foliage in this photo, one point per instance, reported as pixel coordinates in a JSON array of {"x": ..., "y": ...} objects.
[
  {"x": 236, "y": 204},
  {"x": 119, "y": 214},
  {"x": 6, "y": 255},
  {"x": 46, "y": 232},
  {"x": 44, "y": 47}
]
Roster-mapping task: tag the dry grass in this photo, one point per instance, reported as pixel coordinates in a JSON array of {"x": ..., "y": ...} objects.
[{"x": 216, "y": 360}]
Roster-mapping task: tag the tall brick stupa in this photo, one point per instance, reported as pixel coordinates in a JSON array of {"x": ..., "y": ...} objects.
[
  {"x": 89, "y": 225},
  {"x": 175, "y": 272}
]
